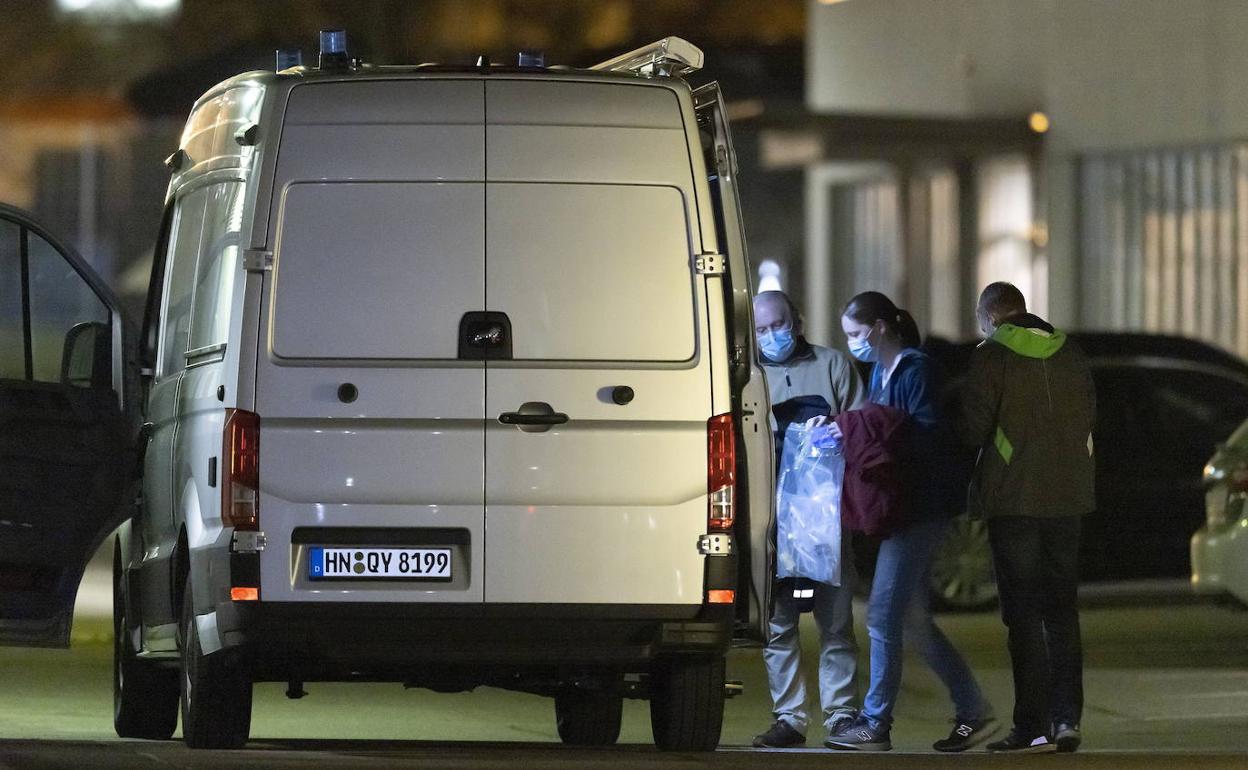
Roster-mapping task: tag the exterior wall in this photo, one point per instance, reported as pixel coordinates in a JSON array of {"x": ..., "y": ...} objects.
[{"x": 1111, "y": 75}]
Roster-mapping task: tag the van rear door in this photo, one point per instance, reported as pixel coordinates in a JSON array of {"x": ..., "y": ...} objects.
[
  {"x": 371, "y": 423},
  {"x": 596, "y": 438},
  {"x": 755, "y": 452},
  {"x": 67, "y": 428}
]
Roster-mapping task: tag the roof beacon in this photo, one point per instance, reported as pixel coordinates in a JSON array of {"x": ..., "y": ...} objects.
[
  {"x": 671, "y": 57},
  {"x": 334, "y": 50},
  {"x": 532, "y": 58},
  {"x": 288, "y": 58}
]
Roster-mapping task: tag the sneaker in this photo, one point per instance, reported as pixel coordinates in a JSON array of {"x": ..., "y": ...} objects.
[
  {"x": 859, "y": 736},
  {"x": 839, "y": 722},
  {"x": 781, "y": 735},
  {"x": 1017, "y": 743},
  {"x": 967, "y": 734},
  {"x": 1067, "y": 737}
]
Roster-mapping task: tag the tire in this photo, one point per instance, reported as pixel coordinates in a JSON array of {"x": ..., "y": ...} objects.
[
  {"x": 215, "y": 691},
  {"x": 588, "y": 718},
  {"x": 962, "y": 577},
  {"x": 145, "y": 696},
  {"x": 687, "y": 704}
]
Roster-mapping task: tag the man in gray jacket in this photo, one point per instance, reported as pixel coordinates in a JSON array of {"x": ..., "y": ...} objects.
[
  {"x": 806, "y": 380},
  {"x": 1029, "y": 405}
]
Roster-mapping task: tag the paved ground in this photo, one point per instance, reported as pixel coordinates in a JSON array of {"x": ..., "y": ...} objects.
[{"x": 1167, "y": 685}]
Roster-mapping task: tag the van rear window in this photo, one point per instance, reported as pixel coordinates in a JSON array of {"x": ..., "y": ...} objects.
[
  {"x": 376, "y": 270},
  {"x": 591, "y": 272}
]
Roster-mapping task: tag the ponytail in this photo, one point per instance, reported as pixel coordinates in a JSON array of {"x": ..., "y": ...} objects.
[
  {"x": 907, "y": 330},
  {"x": 872, "y": 306}
]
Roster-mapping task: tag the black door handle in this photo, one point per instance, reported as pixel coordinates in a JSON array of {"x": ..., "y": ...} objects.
[{"x": 517, "y": 418}]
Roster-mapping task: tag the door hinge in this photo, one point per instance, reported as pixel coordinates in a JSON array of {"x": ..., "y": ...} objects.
[
  {"x": 257, "y": 261},
  {"x": 709, "y": 264},
  {"x": 248, "y": 542},
  {"x": 715, "y": 545}
]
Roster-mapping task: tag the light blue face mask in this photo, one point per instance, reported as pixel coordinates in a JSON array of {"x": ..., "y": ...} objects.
[
  {"x": 777, "y": 345},
  {"x": 863, "y": 350}
]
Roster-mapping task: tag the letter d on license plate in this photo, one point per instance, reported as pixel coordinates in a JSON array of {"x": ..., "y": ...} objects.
[{"x": 338, "y": 563}]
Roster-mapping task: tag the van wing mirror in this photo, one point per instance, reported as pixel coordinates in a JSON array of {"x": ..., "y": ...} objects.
[{"x": 86, "y": 360}]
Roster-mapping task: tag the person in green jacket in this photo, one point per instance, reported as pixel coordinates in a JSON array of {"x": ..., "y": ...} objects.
[{"x": 1029, "y": 405}]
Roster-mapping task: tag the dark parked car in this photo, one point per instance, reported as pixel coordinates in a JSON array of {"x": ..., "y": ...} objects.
[{"x": 1163, "y": 404}]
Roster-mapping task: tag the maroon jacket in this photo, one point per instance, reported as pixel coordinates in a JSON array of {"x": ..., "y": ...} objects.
[{"x": 874, "y": 495}]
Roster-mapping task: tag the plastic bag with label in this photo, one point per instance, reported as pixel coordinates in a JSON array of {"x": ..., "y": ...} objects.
[{"x": 808, "y": 506}]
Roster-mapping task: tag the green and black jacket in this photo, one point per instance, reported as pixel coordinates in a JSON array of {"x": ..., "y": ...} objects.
[{"x": 1029, "y": 405}]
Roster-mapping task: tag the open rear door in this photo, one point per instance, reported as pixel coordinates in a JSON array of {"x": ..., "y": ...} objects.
[
  {"x": 66, "y": 437},
  {"x": 755, "y": 455}
]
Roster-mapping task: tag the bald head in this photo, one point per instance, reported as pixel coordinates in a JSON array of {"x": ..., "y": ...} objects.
[{"x": 773, "y": 311}]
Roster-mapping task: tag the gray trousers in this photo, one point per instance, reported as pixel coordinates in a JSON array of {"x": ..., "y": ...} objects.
[{"x": 838, "y": 654}]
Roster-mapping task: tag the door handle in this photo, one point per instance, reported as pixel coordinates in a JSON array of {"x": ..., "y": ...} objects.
[
  {"x": 533, "y": 417},
  {"x": 519, "y": 418}
]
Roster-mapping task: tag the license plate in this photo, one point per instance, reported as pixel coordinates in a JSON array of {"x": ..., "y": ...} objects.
[{"x": 390, "y": 563}]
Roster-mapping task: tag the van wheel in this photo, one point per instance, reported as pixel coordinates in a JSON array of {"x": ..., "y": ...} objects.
[
  {"x": 588, "y": 718},
  {"x": 216, "y": 691},
  {"x": 687, "y": 704},
  {"x": 145, "y": 696}
]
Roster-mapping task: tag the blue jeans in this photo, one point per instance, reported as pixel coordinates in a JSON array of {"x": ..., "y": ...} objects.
[{"x": 899, "y": 607}]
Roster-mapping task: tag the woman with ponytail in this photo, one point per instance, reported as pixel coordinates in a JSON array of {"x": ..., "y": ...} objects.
[{"x": 906, "y": 379}]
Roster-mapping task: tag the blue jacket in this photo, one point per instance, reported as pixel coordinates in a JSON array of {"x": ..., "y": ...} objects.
[{"x": 917, "y": 388}]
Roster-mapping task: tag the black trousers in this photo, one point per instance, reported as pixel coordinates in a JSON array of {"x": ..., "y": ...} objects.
[{"x": 1037, "y": 566}]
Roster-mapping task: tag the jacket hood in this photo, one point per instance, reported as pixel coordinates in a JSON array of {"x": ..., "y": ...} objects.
[{"x": 1029, "y": 339}]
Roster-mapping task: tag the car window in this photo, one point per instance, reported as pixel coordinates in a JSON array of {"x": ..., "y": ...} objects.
[
  {"x": 12, "y": 334},
  {"x": 179, "y": 285},
  {"x": 60, "y": 300},
  {"x": 1163, "y": 419},
  {"x": 218, "y": 251}
]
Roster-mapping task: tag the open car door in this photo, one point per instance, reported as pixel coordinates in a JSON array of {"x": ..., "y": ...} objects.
[
  {"x": 67, "y": 428},
  {"x": 756, "y": 488}
]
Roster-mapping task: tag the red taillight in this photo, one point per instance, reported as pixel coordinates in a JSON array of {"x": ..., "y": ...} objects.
[
  {"x": 721, "y": 463},
  {"x": 240, "y": 478}
]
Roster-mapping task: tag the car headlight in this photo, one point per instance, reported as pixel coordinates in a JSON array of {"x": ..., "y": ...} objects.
[
  {"x": 1217, "y": 501},
  {"x": 1226, "y": 500}
]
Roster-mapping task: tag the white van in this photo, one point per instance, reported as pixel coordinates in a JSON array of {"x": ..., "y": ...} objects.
[{"x": 448, "y": 379}]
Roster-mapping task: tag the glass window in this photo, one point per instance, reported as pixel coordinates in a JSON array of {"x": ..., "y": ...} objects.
[
  {"x": 60, "y": 300},
  {"x": 12, "y": 334},
  {"x": 214, "y": 276},
  {"x": 180, "y": 278},
  {"x": 591, "y": 272}
]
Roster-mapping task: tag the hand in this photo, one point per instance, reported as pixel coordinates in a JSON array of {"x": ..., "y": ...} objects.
[
  {"x": 815, "y": 422},
  {"x": 835, "y": 430}
]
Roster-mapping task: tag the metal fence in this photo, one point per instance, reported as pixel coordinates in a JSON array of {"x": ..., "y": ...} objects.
[{"x": 1164, "y": 242}]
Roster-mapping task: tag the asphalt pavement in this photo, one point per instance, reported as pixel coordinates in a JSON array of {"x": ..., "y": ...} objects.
[{"x": 1166, "y": 686}]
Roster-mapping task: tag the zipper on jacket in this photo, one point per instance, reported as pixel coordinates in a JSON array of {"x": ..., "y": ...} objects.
[{"x": 1044, "y": 362}]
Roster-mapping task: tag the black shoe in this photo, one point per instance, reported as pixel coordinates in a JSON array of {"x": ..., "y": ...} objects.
[
  {"x": 968, "y": 734},
  {"x": 1017, "y": 743},
  {"x": 1066, "y": 736},
  {"x": 781, "y": 735},
  {"x": 859, "y": 736}
]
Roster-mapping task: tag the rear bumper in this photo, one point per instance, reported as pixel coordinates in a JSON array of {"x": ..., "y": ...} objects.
[{"x": 336, "y": 641}]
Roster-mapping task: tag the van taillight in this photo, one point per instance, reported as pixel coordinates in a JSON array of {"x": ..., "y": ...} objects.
[
  {"x": 240, "y": 479},
  {"x": 721, "y": 463}
]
